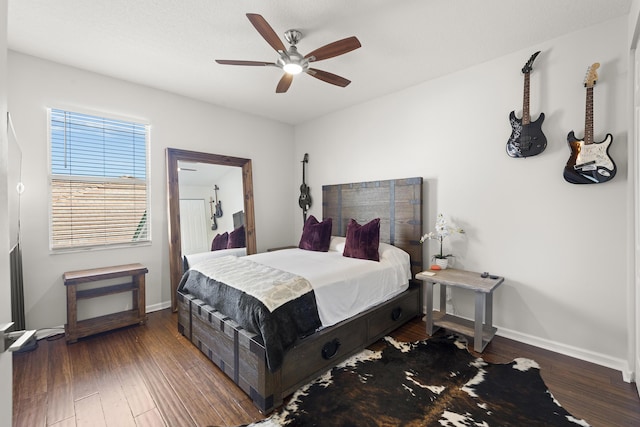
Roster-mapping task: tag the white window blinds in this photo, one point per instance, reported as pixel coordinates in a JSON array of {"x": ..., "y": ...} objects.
[{"x": 98, "y": 181}]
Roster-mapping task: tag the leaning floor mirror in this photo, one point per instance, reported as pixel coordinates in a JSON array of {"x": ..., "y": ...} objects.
[{"x": 208, "y": 195}]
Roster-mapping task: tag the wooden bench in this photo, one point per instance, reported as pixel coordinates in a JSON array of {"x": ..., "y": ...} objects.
[{"x": 137, "y": 315}]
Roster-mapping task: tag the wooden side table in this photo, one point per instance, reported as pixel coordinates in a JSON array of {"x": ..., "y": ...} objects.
[
  {"x": 137, "y": 315},
  {"x": 481, "y": 329}
]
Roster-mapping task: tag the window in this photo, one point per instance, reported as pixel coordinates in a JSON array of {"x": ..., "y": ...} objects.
[{"x": 98, "y": 181}]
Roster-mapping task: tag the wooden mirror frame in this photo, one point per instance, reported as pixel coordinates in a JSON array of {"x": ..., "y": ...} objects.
[{"x": 173, "y": 155}]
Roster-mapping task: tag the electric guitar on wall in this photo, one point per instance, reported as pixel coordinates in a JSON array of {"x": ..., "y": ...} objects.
[
  {"x": 305, "y": 198},
  {"x": 214, "y": 224},
  {"x": 589, "y": 162},
  {"x": 218, "y": 213},
  {"x": 526, "y": 138}
]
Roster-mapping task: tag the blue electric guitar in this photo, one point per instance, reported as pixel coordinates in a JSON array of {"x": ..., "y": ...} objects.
[
  {"x": 526, "y": 138},
  {"x": 589, "y": 162}
]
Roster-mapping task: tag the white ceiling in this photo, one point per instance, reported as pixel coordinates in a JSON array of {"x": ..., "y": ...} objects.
[
  {"x": 172, "y": 44},
  {"x": 198, "y": 174}
]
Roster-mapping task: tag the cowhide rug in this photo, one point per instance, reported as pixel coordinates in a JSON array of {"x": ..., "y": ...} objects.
[{"x": 436, "y": 382}]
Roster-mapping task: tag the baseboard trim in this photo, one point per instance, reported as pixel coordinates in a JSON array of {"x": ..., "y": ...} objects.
[
  {"x": 158, "y": 307},
  {"x": 579, "y": 353}
]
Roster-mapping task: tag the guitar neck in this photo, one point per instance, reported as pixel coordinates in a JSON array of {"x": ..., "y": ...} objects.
[
  {"x": 588, "y": 117},
  {"x": 303, "y": 162},
  {"x": 526, "y": 117}
]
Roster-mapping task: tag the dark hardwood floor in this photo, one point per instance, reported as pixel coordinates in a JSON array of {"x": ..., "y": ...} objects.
[{"x": 152, "y": 376}]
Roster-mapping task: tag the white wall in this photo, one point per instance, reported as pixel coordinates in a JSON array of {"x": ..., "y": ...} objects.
[
  {"x": 561, "y": 247},
  {"x": 634, "y": 213},
  {"x": 35, "y": 84},
  {"x": 231, "y": 197},
  {"x": 6, "y": 402}
]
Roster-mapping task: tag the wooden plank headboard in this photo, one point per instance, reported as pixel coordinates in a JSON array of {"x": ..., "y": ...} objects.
[{"x": 398, "y": 204}]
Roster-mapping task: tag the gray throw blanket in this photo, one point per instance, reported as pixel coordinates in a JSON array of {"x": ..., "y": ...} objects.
[{"x": 277, "y": 305}]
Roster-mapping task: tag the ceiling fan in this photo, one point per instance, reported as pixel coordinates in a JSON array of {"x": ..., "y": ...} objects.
[{"x": 292, "y": 62}]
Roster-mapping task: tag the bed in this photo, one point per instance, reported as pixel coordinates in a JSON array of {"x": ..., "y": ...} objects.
[
  {"x": 193, "y": 259},
  {"x": 223, "y": 244},
  {"x": 245, "y": 357}
]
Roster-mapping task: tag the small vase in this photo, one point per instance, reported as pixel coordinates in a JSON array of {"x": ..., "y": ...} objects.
[{"x": 442, "y": 263}]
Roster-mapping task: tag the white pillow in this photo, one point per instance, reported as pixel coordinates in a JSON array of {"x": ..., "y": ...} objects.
[
  {"x": 387, "y": 251},
  {"x": 337, "y": 243}
]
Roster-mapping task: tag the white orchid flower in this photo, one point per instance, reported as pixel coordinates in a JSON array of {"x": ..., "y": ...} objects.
[{"x": 442, "y": 231}]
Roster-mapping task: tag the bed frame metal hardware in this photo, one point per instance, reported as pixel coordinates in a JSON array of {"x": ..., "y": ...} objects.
[
  {"x": 14, "y": 340},
  {"x": 330, "y": 349}
]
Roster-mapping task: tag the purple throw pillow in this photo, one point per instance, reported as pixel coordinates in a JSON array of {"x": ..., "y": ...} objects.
[
  {"x": 316, "y": 236},
  {"x": 237, "y": 238},
  {"x": 363, "y": 240},
  {"x": 220, "y": 241}
]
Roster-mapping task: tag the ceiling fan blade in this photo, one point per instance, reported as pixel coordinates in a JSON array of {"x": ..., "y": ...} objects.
[
  {"x": 328, "y": 77},
  {"x": 334, "y": 49},
  {"x": 266, "y": 31},
  {"x": 234, "y": 62},
  {"x": 284, "y": 83}
]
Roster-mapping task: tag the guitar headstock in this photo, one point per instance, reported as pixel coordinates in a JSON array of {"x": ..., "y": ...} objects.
[
  {"x": 306, "y": 158},
  {"x": 529, "y": 65},
  {"x": 592, "y": 75}
]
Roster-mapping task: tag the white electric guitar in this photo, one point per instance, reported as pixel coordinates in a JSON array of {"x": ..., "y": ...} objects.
[{"x": 589, "y": 162}]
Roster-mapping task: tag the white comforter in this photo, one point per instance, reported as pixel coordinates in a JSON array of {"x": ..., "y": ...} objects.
[
  {"x": 344, "y": 286},
  {"x": 193, "y": 259}
]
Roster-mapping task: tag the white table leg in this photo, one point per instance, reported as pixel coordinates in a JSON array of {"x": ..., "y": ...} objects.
[
  {"x": 428, "y": 291},
  {"x": 488, "y": 313},
  {"x": 479, "y": 318}
]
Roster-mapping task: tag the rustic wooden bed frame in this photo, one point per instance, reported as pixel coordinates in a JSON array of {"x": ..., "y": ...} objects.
[{"x": 241, "y": 354}]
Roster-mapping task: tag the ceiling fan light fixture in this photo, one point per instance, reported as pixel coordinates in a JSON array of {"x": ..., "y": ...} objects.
[
  {"x": 292, "y": 62},
  {"x": 292, "y": 68}
]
